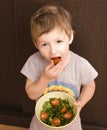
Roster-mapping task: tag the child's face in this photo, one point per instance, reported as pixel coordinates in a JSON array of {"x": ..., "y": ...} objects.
[{"x": 54, "y": 44}]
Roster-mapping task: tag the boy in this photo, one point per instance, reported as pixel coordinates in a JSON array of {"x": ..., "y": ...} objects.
[{"x": 52, "y": 34}]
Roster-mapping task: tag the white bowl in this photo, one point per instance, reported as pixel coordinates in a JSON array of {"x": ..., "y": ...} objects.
[{"x": 61, "y": 95}]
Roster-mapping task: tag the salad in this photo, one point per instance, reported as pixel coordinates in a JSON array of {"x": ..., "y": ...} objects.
[{"x": 56, "y": 112}]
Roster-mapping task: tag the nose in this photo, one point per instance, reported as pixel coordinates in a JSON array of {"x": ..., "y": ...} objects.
[{"x": 53, "y": 49}]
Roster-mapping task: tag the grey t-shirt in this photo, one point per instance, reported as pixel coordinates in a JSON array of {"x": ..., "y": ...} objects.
[{"x": 77, "y": 73}]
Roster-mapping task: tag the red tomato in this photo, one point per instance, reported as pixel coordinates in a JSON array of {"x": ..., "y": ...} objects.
[
  {"x": 63, "y": 110},
  {"x": 44, "y": 115},
  {"x": 68, "y": 115},
  {"x": 56, "y": 60},
  {"x": 55, "y": 102},
  {"x": 56, "y": 122}
]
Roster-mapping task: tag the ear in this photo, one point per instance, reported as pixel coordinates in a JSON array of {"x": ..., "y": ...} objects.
[{"x": 72, "y": 37}]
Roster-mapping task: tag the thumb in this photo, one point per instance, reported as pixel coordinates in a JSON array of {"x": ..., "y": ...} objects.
[
  {"x": 50, "y": 65},
  {"x": 78, "y": 105}
]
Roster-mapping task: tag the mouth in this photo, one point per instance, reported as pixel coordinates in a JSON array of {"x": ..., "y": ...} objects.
[{"x": 56, "y": 60}]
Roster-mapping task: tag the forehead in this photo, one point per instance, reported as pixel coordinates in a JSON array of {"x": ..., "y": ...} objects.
[{"x": 53, "y": 34}]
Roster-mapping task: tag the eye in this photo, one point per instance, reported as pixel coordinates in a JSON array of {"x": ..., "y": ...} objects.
[
  {"x": 44, "y": 44},
  {"x": 59, "y": 41}
]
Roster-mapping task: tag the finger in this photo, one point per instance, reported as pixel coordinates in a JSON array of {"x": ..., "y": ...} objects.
[
  {"x": 50, "y": 65},
  {"x": 78, "y": 105},
  {"x": 59, "y": 66}
]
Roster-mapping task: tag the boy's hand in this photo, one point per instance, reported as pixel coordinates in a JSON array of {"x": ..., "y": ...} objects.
[
  {"x": 78, "y": 105},
  {"x": 53, "y": 71}
]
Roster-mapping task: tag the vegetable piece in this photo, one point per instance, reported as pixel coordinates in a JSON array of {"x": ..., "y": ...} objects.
[
  {"x": 56, "y": 122},
  {"x": 68, "y": 115},
  {"x": 55, "y": 102},
  {"x": 56, "y": 60},
  {"x": 63, "y": 110},
  {"x": 46, "y": 106},
  {"x": 44, "y": 115}
]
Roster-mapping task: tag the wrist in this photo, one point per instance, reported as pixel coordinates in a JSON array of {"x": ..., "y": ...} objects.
[
  {"x": 44, "y": 79},
  {"x": 80, "y": 103}
]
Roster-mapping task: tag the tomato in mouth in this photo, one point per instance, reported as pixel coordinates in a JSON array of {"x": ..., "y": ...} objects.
[{"x": 56, "y": 60}]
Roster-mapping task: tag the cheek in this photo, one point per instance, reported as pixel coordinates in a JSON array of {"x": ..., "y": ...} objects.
[
  {"x": 65, "y": 51},
  {"x": 64, "y": 48},
  {"x": 45, "y": 54}
]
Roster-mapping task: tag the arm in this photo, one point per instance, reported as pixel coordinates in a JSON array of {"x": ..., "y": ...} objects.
[
  {"x": 36, "y": 89},
  {"x": 87, "y": 93}
]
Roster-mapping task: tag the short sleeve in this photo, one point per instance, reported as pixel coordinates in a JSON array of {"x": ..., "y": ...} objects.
[
  {"x": 31, "y": 68},
  {"x": 88, "y": 73}
]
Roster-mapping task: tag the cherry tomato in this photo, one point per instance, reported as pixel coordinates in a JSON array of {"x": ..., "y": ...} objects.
[
  {"x": 68, "y": 115},
  {"x": 55, "y": 102},
  {"x": 56, "y": 60},
  {"x": 44, "y": 115},
  {"x": 63, "y": 110},
  {"x": 56, "y": 122}
]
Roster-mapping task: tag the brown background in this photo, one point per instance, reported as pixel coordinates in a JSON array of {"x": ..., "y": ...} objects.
[{"x": 90, "y": 25}]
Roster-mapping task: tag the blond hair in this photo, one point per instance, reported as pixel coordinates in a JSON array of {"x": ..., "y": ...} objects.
[{"x": 46, "y": 18}]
